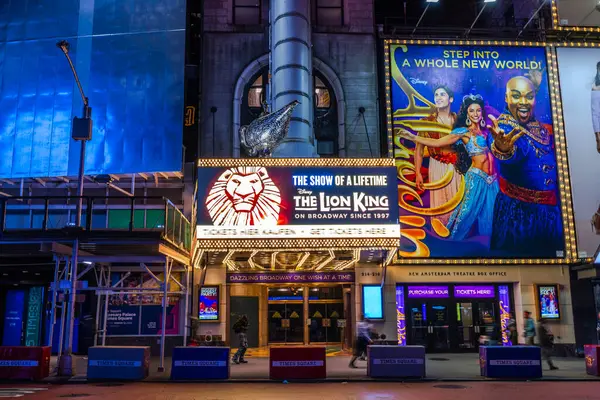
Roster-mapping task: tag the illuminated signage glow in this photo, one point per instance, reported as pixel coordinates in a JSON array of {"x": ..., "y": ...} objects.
[{"x": 324, "y": 202}]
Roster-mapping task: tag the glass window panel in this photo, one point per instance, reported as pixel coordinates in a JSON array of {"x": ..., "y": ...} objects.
[
  {"x": 323, "y": 98},
  {"x": 255, "y": 97},
  {"x": 247, "y": 16},
  {"x": 325, "y": 147},
  {"x": 329, "y": 3},
  {"x": 155, "y": 219},
  {"x": 258, "y": 82},
  {"x": 247, "y": 3},
  {"x": 17, "y": 219},
  {"x": 329, "y": 16},
  {"x": 99, "y": 219},
  {"x": 59, "y": 218},
  {"x": 118, "y": 219}
]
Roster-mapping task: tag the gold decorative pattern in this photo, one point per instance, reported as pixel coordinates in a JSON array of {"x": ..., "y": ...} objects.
[{"x": 295, "y": 162}]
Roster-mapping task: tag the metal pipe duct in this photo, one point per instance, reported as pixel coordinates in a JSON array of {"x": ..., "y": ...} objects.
[{"x": 291, "y": 73}]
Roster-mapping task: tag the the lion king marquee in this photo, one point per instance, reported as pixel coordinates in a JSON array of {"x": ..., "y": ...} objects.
[{"x": 297, "y": 204}]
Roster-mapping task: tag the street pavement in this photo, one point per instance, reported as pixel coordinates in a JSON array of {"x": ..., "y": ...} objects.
[{"x": 328, "y": 391}]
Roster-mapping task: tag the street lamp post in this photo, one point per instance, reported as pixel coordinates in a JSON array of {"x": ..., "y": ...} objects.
[{"x": 81, "y": 131}]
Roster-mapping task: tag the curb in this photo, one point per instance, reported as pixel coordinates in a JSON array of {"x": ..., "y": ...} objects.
[{"x": 81, "y": 381}]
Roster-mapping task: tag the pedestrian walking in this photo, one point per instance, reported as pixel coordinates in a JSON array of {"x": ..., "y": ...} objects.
[
  {"x": 546, "y": 343},
  {"x": 513, "y": 334},
  {"x": 240, "y": 328},
  {"x": 529, "y": 329},
  {"x": 363, "y": 339}
]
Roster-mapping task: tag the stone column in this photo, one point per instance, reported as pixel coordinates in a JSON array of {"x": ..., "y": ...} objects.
[{"x": 291, "y": 73}]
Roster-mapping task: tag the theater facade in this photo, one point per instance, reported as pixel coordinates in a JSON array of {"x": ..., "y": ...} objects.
[{"x": 479, "y": 242}]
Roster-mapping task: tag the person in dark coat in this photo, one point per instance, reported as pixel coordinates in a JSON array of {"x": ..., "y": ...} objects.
[
  {"x": 546, "y": 339},
  {"x": 240, "y": 328}
]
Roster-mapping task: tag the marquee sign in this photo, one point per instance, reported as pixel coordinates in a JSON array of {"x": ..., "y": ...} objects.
[{"x": 258, "y": 201}]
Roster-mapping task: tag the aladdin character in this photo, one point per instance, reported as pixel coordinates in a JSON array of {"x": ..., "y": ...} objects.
[
  {"x": 526, "y": 215},
  {"x": 481, "y": 186},
  {"x": 441, "y": 159},
  {"x": 596, "y": 106}
]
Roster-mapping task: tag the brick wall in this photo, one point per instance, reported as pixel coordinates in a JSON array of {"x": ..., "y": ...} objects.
[
  {"x": 225, "y": 57},
  {"x": 353, "y": 58},
  {"x": 227, "y": 51}
]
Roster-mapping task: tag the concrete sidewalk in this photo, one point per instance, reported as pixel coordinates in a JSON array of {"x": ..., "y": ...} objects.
[{"x": 441, "y": 367}]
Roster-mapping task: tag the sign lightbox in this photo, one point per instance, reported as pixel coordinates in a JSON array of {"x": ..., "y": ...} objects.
[{"x": 304, "y": 202}]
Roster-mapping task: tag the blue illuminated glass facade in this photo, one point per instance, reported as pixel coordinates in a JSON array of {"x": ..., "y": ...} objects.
[{"x": 130, "y": 57}]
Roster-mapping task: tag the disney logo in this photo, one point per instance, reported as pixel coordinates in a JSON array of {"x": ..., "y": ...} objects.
[
  {"x": 417, "y": 81},
  {"x": 304, "y": 191}
]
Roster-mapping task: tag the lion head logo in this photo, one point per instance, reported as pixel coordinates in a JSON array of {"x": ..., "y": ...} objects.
[{"x": 244, "y": 196}]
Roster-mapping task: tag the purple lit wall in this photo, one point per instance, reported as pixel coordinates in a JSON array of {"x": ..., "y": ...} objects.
[
  {"x": 400, "y": 316},
  {"x": 504, "y": 302}
]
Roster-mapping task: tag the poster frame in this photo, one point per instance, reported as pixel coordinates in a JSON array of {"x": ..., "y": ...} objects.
[
  {"x": 538, "y": 308},
  {"x": 570, "y": 254},
  {"x": 218, "y": 287}
]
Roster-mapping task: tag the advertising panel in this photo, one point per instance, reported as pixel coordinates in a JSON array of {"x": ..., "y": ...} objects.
[
  {"x": 372, "y": 301},
  {"x": 208, "y": 308},
  {"x": 547, "y": 303},
  {"x": 579, "y": 71},
  {"x": 130, "y": 58},
  {"x": 152, "y": 320},
  {"x": 576, "y": 13},
  {"x": 123, "y": 320},
  {"x": 256, "y": 202},
  {"x": 35, "y": 302},
  {"x": 13, "y": 318},
  {"x": 474, "y": 149}
]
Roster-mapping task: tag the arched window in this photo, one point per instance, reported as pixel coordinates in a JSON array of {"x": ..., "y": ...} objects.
[{"x": 325, "y": 111}]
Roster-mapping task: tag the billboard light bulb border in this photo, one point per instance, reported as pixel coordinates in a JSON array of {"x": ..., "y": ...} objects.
[
  {"x": 571, "y": 255},
  {"x": 294, "y": 162},
  {"x": 556, "y": 22}
]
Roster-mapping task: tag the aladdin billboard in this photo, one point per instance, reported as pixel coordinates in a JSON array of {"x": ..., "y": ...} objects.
[
  {"x": 579, "y": 71},
  {"x": 475, "y": 152},
  {"x": 130, "y": 58},
  {"x": 304, "y": 202}
]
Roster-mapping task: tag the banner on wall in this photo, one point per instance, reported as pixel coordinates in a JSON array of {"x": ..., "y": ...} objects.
[
  {"x": 13, "y": 318},
  {"x": 297, "y": 203},
  {"x": 474, "y": 149},
  {"x": 123, "y": 320},
  {"x": 579, "y": 71},
  {"x": 577, "y": 13}
]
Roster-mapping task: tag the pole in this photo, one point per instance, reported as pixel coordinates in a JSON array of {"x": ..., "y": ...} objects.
[
  {"x": 105, "y": 320},
  {"x": 161, "y": 366},
  {"x": 187, "y": 305},
  {"x": 532, "y": 17},
  {"x": 53, "y": 309},
  {"x": 420, "y": 19},
  {"x": 61, "y": 329},
  {"x": 65, "y": 364},
  {"x": 105, "y": 317},
  {"x": 80, "y": 184},
  {"x": 98, "y": 300},
  {"x": 476, "y": 19}
]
